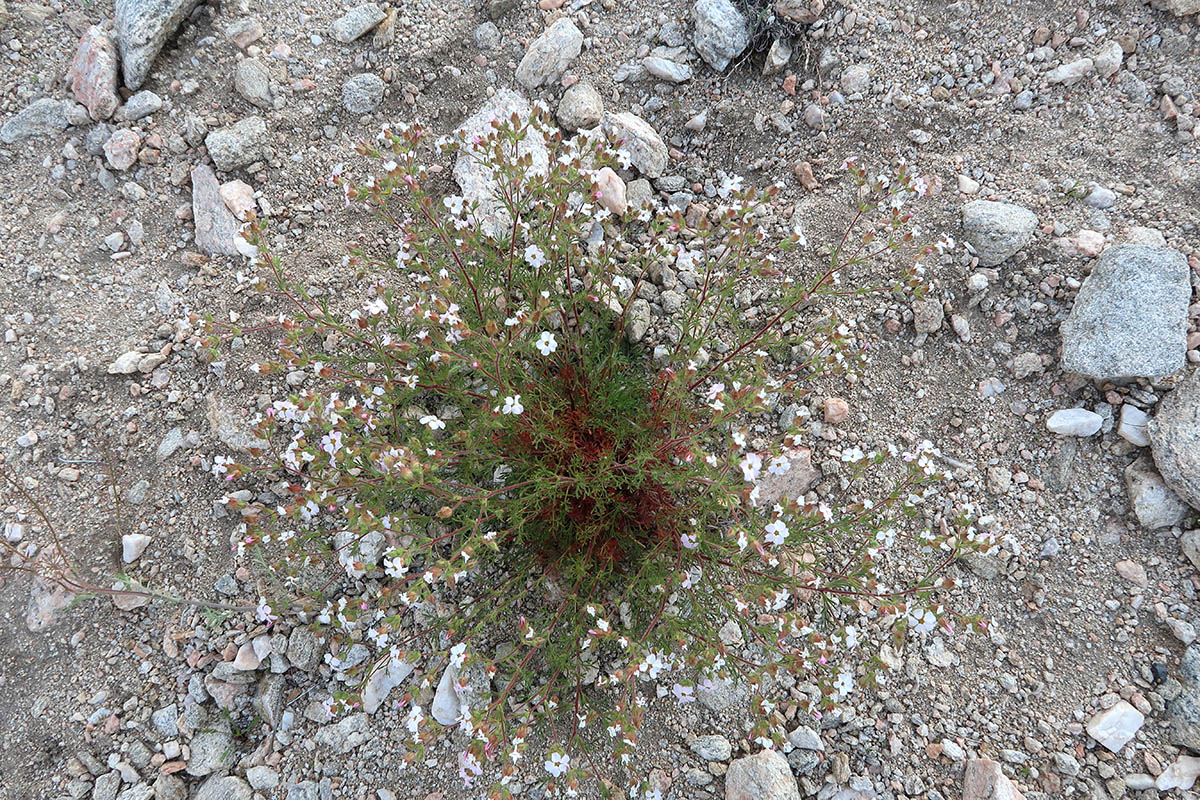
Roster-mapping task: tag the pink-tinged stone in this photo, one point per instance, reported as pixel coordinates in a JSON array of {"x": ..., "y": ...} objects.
[
  {"x": 612, "y": 191},
  {"x": 836, "y": 410},
  {"x": 238, "y": 197},
  {"x": 984, "y": 780},
  {"x": 247, "y": 658},
  {"x": 762, "y": 776},
  {"x": 1089, "y": 243},
  {"x": 1180, "y": 775},
  {"x": 94, "y": 73},
  {"x": 121, "y": 149}
]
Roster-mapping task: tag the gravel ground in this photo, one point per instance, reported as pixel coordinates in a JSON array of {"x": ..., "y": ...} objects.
[{"x": 106, "y": 253}]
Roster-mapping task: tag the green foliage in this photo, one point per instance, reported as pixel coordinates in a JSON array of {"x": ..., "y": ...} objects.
[{"x": 500, "y": 480}]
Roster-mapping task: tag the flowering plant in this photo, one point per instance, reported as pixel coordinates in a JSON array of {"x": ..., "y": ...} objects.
[{"x": 542, "y": 474}]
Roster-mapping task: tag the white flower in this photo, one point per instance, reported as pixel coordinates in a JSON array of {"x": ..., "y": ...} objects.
[
  {"x": 546, "y": 343},
  {"x": 922, "y": 620},
  {"x": 332, "y": 442},
  {"x": 652, "y": 665},
  {"x": 851, "y": 637},
  {"x": 458, "y": 654},
  {"x": 394, "y": 567},
  {"x": 558, "y": 763},
  {"x": 751, "y": 465},
  {"x": 844, "y": 683},
  {"x": 779, "y": 465},
  {"x": 433, "y": 422},
  {"x": 689, "y": 541},
  {"x": 777, "y": 532},
  {"x": 534, "y": 256},
  {"x": 685, "y": 694},
  {"x": 512, "y": 405}
]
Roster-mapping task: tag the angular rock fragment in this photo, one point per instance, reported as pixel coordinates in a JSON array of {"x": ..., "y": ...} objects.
[
  {"x": 143, "y": 27},
  {"x": 94, "y": 73}
]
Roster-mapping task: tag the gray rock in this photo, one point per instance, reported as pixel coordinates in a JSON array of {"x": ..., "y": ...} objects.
[
  {"x": 1066, "y": 764},
  {"x": 239, "y": 144},
  {"x": 166, "y": 721},
  {"x": 1100, "y": 197},
  {"x": 357, "y": 554},
  {"x": 224, "y": 787},
  {"x": 216, "y": 226},
  {"x": 445, "y": 706},
  {"x": 1134, "y": 425},
  {"x": 803, "y": 11},
  {"x": 712, "y": 748},
  {"x": 96, "y": 137},
  {"x": 762, "y": 776},
  {"x": 142, "y": 28},
  {"x": 141, "y": 105},
  {"x": 106, "y": 786},
  {"x": 362, "y": 93},
  {"x": 997, "y": 230},
  {"x": 230, "y": 429},
  {"x": 305, "y": 790},
  {"x": 803, "y": 762},
  {"x": 637, "y": 320},
  {"x": 805, "y": 738},
  {"x": 639, "y": 194},
  {"x": 39, "y": 118},
  {"x": 1073, "y": 72},
  {"x": 721, "y": 33},
  {"x": 1180, "y": 8},
  {"x": 345, "y": 735},
  {"x": 647, "y": 150},
  {"x": 140, "y": 791},
  {"x": 382, "y": 681},
  {"x": 550, "y": 54},
  {"x": 487, "y": 36},
  {"x": 778, "y": 57},
  {"x": 667, "y": 70},
  {"x": 1189, "y": 545},
  {"x": 170, "y": 787},
  {"x": 580, "y": 108},
  {"x": 801, "y": 476},
  {"x": 269, "y": 702},
  {"x": 448, "y": 699},
  {"x": 170, "y": 443},
  {"x": 1075, "y": 422},
  {"x": 1130, "y": 317},
  {"x": 856, "y": 79},
  {"x": 138, "y": 492},
  {"x": 1153, "y": 502},
  {"x": 212, "y": 748},
  {"x": 475, "y": 180},
  {"x": 261, "y": 778},
  {"x": 1175, "y": 440},
  {"x": 356, "y": 22},
  {"x": 304, "y": 649},
  {"x": 928, "y": 315},
  {"x": 723, "y": 695},
  {"x": 1108, "y": 59},
  {"x": 252, "y": 80}
]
